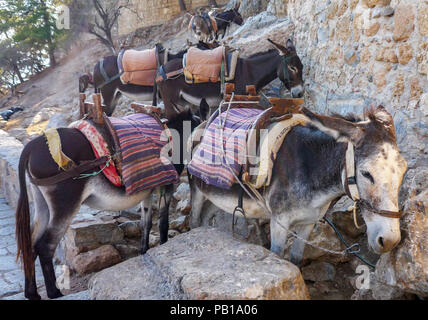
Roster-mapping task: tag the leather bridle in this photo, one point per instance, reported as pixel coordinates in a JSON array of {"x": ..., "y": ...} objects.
[{"x": 351, "y": 188}]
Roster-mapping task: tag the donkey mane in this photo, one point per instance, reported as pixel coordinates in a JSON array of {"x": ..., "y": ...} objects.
[
  {"x": 258, "y": 54},
  {"x": 351, "y": 117},
  {"x": 226, "y": 15}
]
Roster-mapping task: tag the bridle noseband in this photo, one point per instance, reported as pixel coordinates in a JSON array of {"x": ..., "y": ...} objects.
[{"x": 351, "y": 188}]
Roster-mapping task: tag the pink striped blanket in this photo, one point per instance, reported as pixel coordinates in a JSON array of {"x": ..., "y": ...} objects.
[
  {"x": 143, "y": 166},
  {"x": 208, "y": 162}
]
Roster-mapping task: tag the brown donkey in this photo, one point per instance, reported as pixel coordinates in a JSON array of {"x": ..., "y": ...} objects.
[{"x": 56, "y": 204}]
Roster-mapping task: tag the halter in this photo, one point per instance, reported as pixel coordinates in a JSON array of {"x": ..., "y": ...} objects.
[
  {"x": 351, "y": 189},
  {"x": 284, "y": 61}
]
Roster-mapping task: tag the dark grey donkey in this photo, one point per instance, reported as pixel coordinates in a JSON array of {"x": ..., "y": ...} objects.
[{"x": 309, "y": 173}]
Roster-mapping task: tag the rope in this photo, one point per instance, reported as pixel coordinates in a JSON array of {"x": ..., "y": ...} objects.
[
  {"x": 88, "y": 175},
  {"x": 354, "y": 252},
  {"x": 260, "y": 200}
]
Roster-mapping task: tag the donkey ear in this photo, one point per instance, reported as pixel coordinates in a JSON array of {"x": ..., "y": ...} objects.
[
  {"x": 340, "y": 129},
  {"x": 381, "y": 115},
  {"x": 238, "y": 5},
  {"x": 290, "y": 45},
  {"x": 282, "y": 50}
]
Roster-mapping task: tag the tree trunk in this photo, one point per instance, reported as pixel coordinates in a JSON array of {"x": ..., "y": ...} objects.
[
  {"x": 51, "y": 47},
  {"x": 182, "y": 5},
  {"x": 18, "y": 73}
]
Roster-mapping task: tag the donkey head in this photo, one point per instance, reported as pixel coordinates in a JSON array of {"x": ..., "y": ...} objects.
[
  {"x": 237, "y": 18},
  {"x": 379, "y": 171},
  {"x": 200, "y": 28},
  {"x": 290, "y": 70}
]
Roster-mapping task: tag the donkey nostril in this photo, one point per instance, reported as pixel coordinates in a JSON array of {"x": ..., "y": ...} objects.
[{"x": 380, "y": 242}]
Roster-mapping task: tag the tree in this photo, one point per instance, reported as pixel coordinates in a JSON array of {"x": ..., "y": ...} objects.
[
  {"x": 28, "y": 39},
  {"x": 32, "y": 22},
  {"x": 182, "y": 5},
  {"x": 108, "y": 12},
  {"x": 14, "y": 61}
]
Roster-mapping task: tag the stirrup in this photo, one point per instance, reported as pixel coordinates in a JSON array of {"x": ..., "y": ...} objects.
[{"x": 237, "y": 209}]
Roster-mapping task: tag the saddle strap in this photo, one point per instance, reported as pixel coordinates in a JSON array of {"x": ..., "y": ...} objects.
[
  {"x": 165, "y": 76},
  {"x": 72, "y": 173}
]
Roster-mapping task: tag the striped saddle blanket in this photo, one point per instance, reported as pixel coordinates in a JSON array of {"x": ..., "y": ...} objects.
[
  {"x": 250, "y": 147},
  {"x": 141, "y": 140},
  {"x": 209, "y": 163},
  {"x": 144, "y": 166}
]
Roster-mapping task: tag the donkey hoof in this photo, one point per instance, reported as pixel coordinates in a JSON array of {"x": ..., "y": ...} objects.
[
  {"x": 143, "y": 250},
  {"x": 33, "y": 296},
  {"x": 54, "y": 295}
]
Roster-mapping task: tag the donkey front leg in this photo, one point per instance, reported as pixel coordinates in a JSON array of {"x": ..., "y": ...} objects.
[
  {"x": 197, "y": 201},
  {"x": 298, "y": 246},
  {"x": 165, "y": 200},
  {"x": 146, "y": 223},
  {"x": 278, "y": 234}
]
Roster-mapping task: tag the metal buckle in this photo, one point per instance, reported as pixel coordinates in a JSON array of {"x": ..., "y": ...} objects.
[
  {"x": 352, "y": 180},
  {"x": 353, "y": 251}
]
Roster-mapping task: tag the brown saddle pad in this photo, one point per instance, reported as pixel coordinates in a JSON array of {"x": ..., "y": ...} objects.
[
  {"x": 203, "y": 65},
  {"x": 139, "y": 67}
]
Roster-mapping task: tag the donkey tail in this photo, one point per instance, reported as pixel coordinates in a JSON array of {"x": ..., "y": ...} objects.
[{"x": 23, "y": 230}]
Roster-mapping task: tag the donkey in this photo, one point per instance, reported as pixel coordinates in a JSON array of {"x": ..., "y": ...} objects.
[
  {"x": 309, "y": 173},
  {"x": 85, "y": 81},
  {"x": 55, "y": 205},
  {"x": 259, "y": 69},
  {"x": 112, "y": 88},
  {"x": 205, "y": 31}
]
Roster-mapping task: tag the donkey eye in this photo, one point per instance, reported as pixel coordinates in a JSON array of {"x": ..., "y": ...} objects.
[
  {"x": 292, "y": 69},
  {"x": 368, "y": 176}
]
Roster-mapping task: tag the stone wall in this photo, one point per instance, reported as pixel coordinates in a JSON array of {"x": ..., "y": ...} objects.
[
  {"x": 144, "y": 13},
  {"x": 362, "y": 52}
]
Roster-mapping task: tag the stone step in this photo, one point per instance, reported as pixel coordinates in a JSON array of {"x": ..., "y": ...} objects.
[{"x": 204, "y": 263}]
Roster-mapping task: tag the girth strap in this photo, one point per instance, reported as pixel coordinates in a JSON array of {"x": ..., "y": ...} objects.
[
  {"x": 72, "y": 173},
  {"x": 163, "y": 76},
  {"x": 107, "y": 78}
]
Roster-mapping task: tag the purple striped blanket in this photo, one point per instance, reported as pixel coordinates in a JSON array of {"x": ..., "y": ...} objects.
[
  {"x": 140, "y": 142},
  {"x": 208, "y": 162}
]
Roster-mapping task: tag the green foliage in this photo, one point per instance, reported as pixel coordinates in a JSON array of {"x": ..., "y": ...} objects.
[{"x": 28, "y": 38}]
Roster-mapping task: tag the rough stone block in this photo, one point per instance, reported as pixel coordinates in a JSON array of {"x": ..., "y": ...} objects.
[
  {"x": 88, "y": 235},
  {"x": 202, "y": 264},
  {"x": 403, "y": 22},
  {"x": 96, "y": 260},
  {"x": 10, "y": 151}
]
